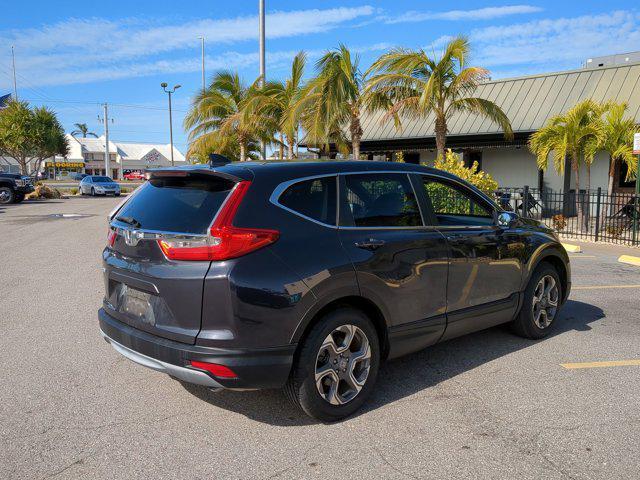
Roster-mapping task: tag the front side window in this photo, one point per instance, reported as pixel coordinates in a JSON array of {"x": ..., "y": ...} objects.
[
  {"x": 315, "y": 198},
  {"x": 381, "y": 200},
  {"x": 454, "y": 205}
]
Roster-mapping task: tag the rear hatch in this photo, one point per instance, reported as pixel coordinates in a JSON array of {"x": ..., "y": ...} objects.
[{"x": 146, "y": 287}]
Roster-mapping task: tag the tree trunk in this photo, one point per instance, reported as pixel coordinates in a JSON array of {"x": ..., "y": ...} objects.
[
  {"x": 281, "y": 146},
  {"x": 356, "y": 133},
  {"x": 441, "y": 137},
  {"x": 290, "y": 142},
  {"x": 576, "y": 170},
  {"x": 243, "y": 150},
  {"x": 612, "y": 174}
]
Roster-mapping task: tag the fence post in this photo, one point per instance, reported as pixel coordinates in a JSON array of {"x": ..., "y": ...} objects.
[
  {"x": 525, "y": 201},
  {"x": 598, "y": 213},
  {"x": 636, "y": 204}
]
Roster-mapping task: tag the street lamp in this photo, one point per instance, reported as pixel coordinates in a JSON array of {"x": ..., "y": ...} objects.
[{"x": 175, "y": 87}]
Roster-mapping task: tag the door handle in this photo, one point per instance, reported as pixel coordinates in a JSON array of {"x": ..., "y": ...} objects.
[{"x": 370, "y": 244}]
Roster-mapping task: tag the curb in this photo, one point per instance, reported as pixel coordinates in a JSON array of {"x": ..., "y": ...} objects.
[
  {"x": 631, "y": 260},
  {"x": 572, "y": 248}
]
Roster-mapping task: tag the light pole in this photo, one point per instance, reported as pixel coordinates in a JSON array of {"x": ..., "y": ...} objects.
[
  {"x": 175, "y": 87},
  {"x": 263, "y": 73},
  {"x": 202, "y": 45}
]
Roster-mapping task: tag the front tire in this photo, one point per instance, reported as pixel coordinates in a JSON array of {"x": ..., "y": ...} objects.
[
  {"x": 337, "y": 366},
  {"x": 541, "y": 303},
  {"x": 93, "y": 192}
]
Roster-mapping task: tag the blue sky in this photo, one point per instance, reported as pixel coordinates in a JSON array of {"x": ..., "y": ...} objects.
[{"x": 73, "y": 55}]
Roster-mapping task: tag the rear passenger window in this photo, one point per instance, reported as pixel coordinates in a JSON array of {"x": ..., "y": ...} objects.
[
  {"x": 382, "y": 200},
  {"x": 315, "y": 199}
]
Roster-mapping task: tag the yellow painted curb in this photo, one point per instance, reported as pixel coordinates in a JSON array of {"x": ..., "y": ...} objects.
[
  {"x": 631, "y": 260},
  {"x": 572, "y": 248}
]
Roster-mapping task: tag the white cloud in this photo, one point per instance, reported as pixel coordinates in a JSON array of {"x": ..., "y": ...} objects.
[
  {"x": 552, "y": 44},
  {"x": 487, "y": 13},
  {"x": 94, "y": 49}
]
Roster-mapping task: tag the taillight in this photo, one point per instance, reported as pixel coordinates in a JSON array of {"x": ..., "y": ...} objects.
[
  {"x": 214, "y": 369},
  {"x": 224, "y": 241},
  {"x": 111, "y": 237}
]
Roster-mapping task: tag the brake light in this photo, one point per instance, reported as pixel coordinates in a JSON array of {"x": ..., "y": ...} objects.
[
  {"x": 111, "y": 237},
  {"x": 224, "y": 240},
  {"x": 214, "y": 369}
]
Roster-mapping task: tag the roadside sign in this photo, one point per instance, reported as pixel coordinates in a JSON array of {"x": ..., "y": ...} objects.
[{"x": 636, "y": 143}]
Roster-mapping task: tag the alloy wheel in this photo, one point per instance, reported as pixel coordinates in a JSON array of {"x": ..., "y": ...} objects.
[
  {"x": 545, "y": 301},
  {"x": 342, "y": 364},
  {"x": 5, "y": 195}
]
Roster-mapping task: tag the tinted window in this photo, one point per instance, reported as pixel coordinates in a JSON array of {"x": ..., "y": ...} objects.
[
  {"x": 102, "y": 180},
  {"x": 314, "y": 198},
  {"x": 183, "y": 204},
  {"x": 382, "y": 200},
  {"x": 454, "y": 205}
]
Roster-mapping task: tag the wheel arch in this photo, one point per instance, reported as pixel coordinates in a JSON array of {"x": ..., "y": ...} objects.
[
  {"x": 358, "y": 302},
  {"x": 559, "y": 260}
]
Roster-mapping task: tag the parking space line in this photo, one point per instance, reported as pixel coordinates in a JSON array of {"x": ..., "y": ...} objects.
[
  {"x": 598, "y": 287},
  {"x": 582, "y": 256},
  {"x": 613, "y": 363}
]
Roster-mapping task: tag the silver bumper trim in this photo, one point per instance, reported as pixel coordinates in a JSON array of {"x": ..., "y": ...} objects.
[{"x": 181, "y": 373}]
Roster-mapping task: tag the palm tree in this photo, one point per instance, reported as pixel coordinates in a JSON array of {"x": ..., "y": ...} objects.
[
  {"x": 416, "y": 85},
  {"x": 575, "y": 134},
  {"x": 222, "y": 116},
  {"x": 333, "y": 101},
  {"x": 618, "y": 140},
  {"x": 83, "y": 129},
  {"x": 279, "y": 100}
]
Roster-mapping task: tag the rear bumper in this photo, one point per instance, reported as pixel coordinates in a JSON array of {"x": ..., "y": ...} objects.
[{"x": 256, "y": 368}]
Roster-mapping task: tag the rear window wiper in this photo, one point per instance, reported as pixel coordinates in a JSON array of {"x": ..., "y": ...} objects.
[{"x": 129, "y": 221}]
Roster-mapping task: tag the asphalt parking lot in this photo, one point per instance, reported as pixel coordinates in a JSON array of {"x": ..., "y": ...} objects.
[{"x": 489, "y": 405}]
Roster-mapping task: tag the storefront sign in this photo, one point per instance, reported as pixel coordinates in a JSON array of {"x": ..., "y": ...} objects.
[
  {"x": 636, "y": 143},
  {"x": 65, "y": 164}
]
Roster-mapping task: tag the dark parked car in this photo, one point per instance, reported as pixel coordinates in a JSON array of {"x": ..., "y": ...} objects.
[
  {"x": 308, "y": 275},
  {"x": 14, "y": 187}
]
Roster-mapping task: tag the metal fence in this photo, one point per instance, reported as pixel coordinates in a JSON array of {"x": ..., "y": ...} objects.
[{"x": 592, "y": 215}]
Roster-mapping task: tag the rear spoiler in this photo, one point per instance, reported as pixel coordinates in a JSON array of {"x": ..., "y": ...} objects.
[{"x": 200, "y": 170}]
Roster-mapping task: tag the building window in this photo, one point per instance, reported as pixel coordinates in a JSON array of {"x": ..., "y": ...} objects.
[
  {"x": 470, "y": 157},
  {"x": 623, "y": 168},
  {"x": 412, "y": 157}
]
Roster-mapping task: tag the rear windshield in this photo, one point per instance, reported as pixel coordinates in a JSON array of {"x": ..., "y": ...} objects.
[{"x": 181, "y": 204}]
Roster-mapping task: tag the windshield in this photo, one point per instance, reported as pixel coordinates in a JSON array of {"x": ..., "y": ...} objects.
[{"x": 102, "y": 180}]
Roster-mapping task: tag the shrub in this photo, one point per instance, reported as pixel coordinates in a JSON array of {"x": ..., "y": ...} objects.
[
  {"x": 452, "y": 163},
  {"x": 125, "y": 190},
  {"x": 43, "y": 191},
  {"x": 614, "y": 231},
  {"x": 74, "y": 191},
  {"x": 559, "y": 222}
]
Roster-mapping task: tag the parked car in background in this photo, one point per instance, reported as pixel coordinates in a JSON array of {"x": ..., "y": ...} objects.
[
  {"x": 134, "y": 176},
  {"x": 14, "y": 187},
  {"x": 77, "y": 175},
  {"x": 98, "y": 185},
  {"x": 308, "y": 275}
]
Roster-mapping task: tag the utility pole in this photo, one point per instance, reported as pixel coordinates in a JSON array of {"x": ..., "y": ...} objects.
[
  {"x": 262, "y": 59},
  {"x": 175, "y": 87},
  {"x": 203, "y": 82},
  {"x": 106, "y": 140},
  {"x": 15, "y": 84}
]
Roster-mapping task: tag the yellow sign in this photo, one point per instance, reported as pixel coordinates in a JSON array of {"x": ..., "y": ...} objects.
[{"x": 65, "y": 164}]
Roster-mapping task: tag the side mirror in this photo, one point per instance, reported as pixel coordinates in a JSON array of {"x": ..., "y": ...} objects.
[{"x": 507, "y": 219}]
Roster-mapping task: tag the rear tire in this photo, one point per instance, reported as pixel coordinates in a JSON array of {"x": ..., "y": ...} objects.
[
  {"x": 6, "y": 195},
  {"x": 541, "y": 304},
  {"x": 340, "y": 357}
]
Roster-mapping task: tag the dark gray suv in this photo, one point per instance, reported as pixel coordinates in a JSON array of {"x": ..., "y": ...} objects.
[{"x": 308, "y": 275}]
